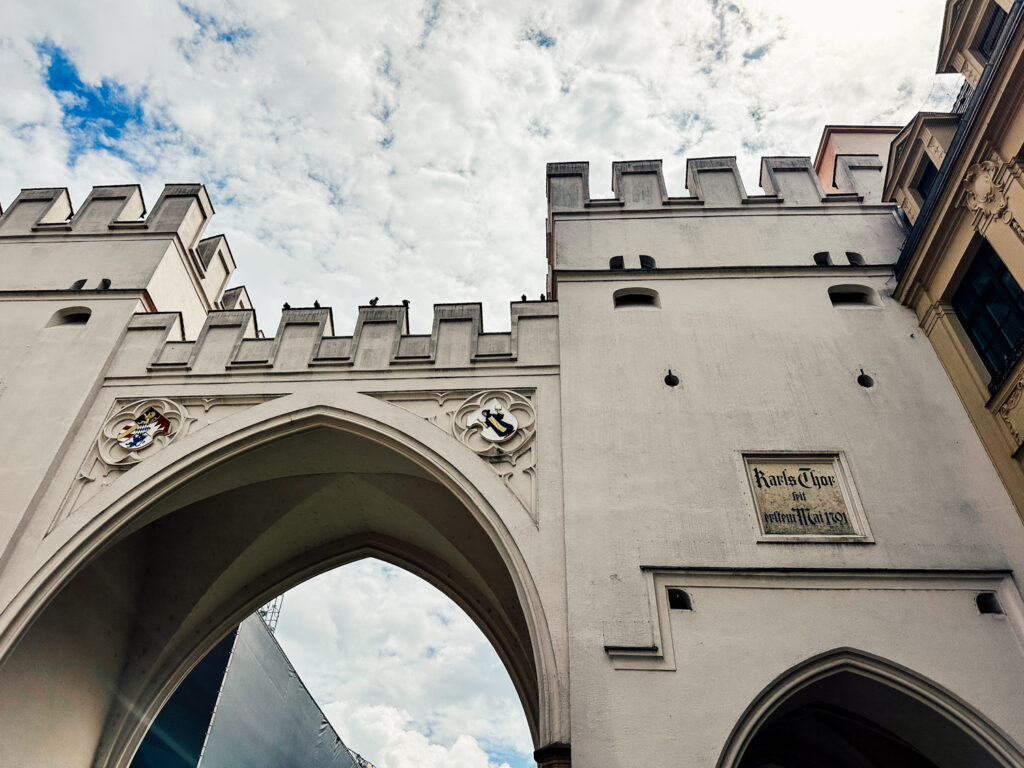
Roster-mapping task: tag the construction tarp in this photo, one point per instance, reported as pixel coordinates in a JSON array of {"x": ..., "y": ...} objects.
[
  {"x": 265, "y": 717},
  {"x": 243, "y": 706}
]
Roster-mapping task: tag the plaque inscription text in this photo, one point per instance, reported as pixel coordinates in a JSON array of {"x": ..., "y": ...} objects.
[{"x": 800, "y": 496}]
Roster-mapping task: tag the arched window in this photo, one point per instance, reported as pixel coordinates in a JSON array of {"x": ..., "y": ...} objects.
[
  {"x": 646, "y": 262},
  {"x": 855, "y": 258},
  {"x": 616, "y": 262},
  {"x": 70, "y": 316},
  {"x": 822, "y": 259},
  {"x": 636, "y": 297},
  {"x": 104, "y": 284},
  {"x": 78, "y": 285}
]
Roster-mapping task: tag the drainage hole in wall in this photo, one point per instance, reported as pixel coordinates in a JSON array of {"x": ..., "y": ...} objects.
[
  {"x": 678, "y": 600},
  {"x": 988, "y": 603}
]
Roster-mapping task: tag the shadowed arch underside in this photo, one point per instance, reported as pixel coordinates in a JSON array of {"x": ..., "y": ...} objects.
[
  {"x": 850, "y": 709},
  {"x": 124, "y": 631}
]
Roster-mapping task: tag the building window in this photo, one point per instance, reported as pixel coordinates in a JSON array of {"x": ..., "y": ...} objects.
[
  {"x": 853, "y": 296},
  {"x": 636, "y": 297},
  {"x": 924, "y": 179},
  {"x": 995, "y": 18},
  {"x": 70, "y": 316},
  {"x": 990, "y": 306}
]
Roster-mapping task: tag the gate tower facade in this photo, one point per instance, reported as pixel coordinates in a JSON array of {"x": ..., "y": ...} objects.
[{"x": 712, "y": 500}]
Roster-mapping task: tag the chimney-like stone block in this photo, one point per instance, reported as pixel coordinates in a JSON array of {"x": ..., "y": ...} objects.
[
  {"x": 37, "y": 209},
  {"x": 716, "y": 181},
  {"x": 568, "y": 186},
  {"x": 106, "y": 207},
  {"x": 298, "y": 337},
  {"x": 217, "y": 265},
  {"x": 639, "y": 183},
  {"x": 792, "y": 179},
  {"x": 144, "y": 341},
  {"x": 535, "y": 332},
  {"x": 378, "y": 332},
  {"x": 861, "y": 175},
  {"x": 455, "y": 333},
  {"x": 219, "y": 341},
  {"x": 183, "y": 209}
]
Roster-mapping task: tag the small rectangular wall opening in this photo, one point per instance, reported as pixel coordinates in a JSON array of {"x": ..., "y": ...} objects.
[
  {"x": 853, "y": 296},
  {"x": 679, "y": 600}
]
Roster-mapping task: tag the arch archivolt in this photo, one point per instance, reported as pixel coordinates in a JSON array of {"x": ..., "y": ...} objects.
[
  {"x": 849, "y": 660},
  {"x": 187, "y": 471}
]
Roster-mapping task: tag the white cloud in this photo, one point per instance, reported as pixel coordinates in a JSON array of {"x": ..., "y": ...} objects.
[
  {"x": 388, "y": 739},
  {"x": 402, "y": 673},
  {"x": 354, "y": 151}
]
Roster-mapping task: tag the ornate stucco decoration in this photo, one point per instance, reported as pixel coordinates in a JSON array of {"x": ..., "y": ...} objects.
[
  {"x": 458, "y": 413},
  {"x": 114, "y": 452},
  {"x": 1010, "y": 412},
  {"x": 983, "y": 194},
  {"x": 984, "y": 187}
]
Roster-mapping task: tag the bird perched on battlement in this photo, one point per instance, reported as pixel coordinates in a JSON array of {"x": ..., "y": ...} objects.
[
  {"x": 405, "y": 303},
  {"x": 523, "y": 297},
  {"x": 286, "y": 306},
  {"x": 374, "y": 300},
  {"x": 316, "y": 304}
]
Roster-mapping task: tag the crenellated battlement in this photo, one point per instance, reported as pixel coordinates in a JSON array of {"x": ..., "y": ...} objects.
[
  {"x": 713, "y": 182},
  {"x": 305, "y": 341},
  {"x": 111, "y": 245},
  {"x": 182, "y": 209},
  {"x": 719, "y": 224}
]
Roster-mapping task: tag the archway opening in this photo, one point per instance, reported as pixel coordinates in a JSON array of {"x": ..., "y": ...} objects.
[
  {"x": 363, "y": 664},
  {"x": 850, "y": 719},
  {"x": 90, "y": 675}
]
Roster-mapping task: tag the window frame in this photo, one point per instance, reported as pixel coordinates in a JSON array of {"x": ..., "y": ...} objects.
[
  {"x": 989, "y": 31},
  {"x": 985, "y": 278}
]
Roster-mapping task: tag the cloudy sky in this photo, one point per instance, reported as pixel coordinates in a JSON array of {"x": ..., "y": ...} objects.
[{"x": 396, "y": 148}]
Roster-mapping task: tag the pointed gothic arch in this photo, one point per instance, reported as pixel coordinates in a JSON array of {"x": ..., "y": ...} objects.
[
  {"x": 337, "y": 481},
  {"x": 826, "y": 684}
]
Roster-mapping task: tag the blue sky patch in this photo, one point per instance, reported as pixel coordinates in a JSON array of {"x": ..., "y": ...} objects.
[
  {"x": 216, "y": 29},
  {"x": 431, "y": 15},
  {"x": 539, "y": 38},
  {"x": 95, "y": 116}
]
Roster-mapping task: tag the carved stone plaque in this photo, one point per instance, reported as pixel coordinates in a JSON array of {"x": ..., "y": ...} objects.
[{"x": 801, "y": 496}]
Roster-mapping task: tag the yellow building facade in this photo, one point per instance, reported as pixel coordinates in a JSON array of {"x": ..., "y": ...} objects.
[{"x": 959, "y": 179}]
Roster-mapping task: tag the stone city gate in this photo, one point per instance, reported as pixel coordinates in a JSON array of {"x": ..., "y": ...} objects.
[{"x": 584, "y": 485}]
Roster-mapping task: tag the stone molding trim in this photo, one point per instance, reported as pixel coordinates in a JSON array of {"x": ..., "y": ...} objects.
[
  {"x": 654, "y": 647},
  {"x": 514, "y": 461},
  {"x": 873, "y": 667},
  {"x": 106, "y": 459}
]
